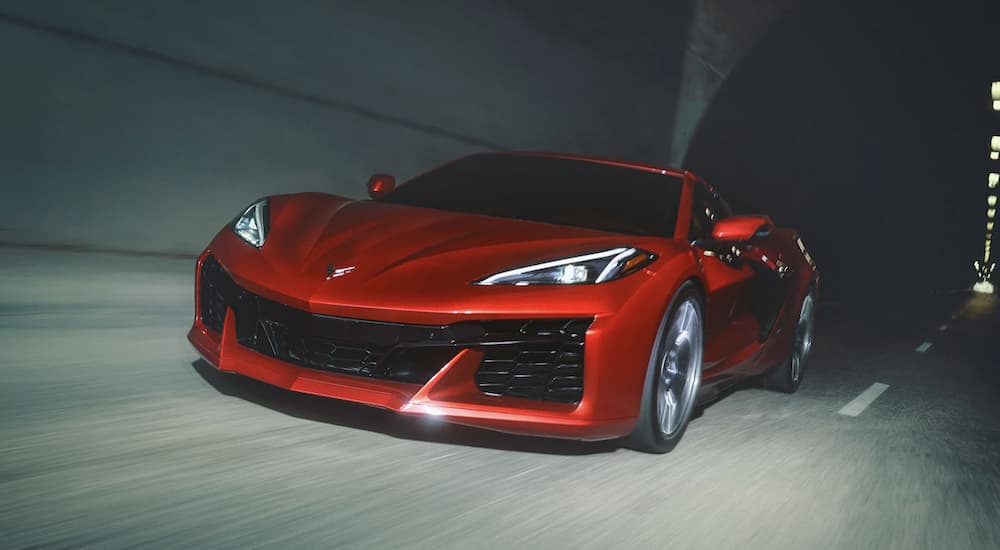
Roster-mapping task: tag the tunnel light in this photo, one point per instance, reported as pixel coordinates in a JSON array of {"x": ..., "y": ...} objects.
[
  {"x": 991, "y": 213},
  {"x": 991, "y": 200},
  {"x": 993, "y": 180},
  {"x": 983, "y": 287},
  {"x": 994, "y": 155},
  {"x": 995, "y": 90},
  {"x": 989, "y": 226},
  {"x": 995, "y": 144}
]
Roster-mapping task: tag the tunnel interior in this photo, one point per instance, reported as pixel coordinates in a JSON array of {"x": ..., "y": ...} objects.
[{"x": 865, "y": 125}]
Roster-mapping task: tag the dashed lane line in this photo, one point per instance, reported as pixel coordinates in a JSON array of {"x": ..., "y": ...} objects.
[
  {"x": 922, "y": 348},
  {"x": 861, "y": 402}
]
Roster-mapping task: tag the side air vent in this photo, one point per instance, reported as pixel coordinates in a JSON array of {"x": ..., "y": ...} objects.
[{"x": 542, "y": 359}]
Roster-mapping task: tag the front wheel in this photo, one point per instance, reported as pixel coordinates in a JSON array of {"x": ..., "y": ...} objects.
[
  {"x": 673, "y": 376},
  {"x": 787, "y": 376}
]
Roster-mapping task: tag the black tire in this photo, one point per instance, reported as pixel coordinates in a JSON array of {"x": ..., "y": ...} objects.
[
  {"x": 786, "y": 376},
  {"x": 648, "y": 436}
]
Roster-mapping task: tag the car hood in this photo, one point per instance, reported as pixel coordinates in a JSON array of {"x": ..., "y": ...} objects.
[{"x": 323, "y": 249}]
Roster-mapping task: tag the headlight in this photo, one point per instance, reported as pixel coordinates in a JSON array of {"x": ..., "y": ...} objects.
[
  {"x": 252, "y": 224},
  {"x": 586, "y": 269}
]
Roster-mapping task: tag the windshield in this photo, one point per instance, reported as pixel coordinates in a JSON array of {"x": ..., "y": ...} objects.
[{"x": 550, "y": 190}]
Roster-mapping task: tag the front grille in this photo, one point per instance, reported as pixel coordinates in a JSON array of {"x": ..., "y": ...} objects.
[{"x": 535, "y": 359}]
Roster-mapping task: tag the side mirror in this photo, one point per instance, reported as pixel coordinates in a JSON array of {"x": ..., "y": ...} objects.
[
  {"x": 742, "y": 228},
  {"x": 380, "y": 185}
]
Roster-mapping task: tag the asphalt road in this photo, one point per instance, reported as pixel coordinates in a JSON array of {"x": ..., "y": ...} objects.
[{"x": 114, "y": 435}]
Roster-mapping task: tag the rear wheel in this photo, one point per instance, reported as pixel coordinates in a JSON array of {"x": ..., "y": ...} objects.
[
  {"x": 673, "y": 376},
  {"x": 787, "y": 376}
]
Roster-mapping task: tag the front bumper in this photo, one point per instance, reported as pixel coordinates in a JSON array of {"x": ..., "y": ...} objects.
[{"x": 460, "y": 391}]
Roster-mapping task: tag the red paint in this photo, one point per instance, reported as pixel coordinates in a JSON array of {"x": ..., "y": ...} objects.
[{"x": 415, "y": 265}]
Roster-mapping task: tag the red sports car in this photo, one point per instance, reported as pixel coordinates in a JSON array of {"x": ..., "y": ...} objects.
[{"x": 539, "y": 294}]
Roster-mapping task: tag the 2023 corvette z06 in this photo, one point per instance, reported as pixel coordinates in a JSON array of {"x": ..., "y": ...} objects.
[{"x": 535, "y": 294}]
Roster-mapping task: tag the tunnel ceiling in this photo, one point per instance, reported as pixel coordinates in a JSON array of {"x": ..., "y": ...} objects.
[{"x": 646, "y": 37}]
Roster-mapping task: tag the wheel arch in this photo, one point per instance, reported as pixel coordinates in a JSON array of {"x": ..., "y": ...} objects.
[
  {"x": 692, "y": 281},
  {"x": 641, "y": 436}
]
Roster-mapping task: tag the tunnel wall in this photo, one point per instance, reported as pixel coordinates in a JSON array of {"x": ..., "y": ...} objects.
[{"x": 145, "y": 126}]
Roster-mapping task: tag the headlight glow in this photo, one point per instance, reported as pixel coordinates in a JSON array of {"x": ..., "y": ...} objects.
[
  {"x": 593, "y": 268},
  {"x": 252, "y": 224}
]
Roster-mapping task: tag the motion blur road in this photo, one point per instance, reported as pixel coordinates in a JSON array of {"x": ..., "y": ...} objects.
[{"x": 114, "y": 434}]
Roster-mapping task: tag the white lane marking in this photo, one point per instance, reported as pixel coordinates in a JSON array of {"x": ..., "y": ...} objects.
[
  {"x": 943, "y": 328},
  {"x": 922, "y": 348},
  {"x": 526, "y": 472},
  {"x": 861, "y": 402}
]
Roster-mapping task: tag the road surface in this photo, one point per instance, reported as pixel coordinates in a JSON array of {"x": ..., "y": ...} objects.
[{"x": 113, "y": 434}]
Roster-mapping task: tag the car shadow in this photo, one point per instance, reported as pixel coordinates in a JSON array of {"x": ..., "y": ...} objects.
[
  {"x": 722, "y": 393},
  {"x": 362, "y": 417}
]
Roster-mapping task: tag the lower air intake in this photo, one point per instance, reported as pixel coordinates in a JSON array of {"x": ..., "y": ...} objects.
[{"x": 540, "y": 359}]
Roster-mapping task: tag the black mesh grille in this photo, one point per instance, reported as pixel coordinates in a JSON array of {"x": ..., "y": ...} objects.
[
  {"x": 536, "y": 359},
  {"x": 407, "y": 353},
  {"x": 211, "y": 300},
  {"x": 543, "y": 360}
]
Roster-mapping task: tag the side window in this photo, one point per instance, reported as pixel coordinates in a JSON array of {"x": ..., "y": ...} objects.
[{"x": 707, "y": 208}]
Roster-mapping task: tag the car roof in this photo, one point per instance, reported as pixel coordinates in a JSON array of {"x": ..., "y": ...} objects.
[{"x": 599, "y": 160}]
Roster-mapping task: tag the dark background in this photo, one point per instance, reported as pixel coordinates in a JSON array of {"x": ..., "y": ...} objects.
[{"x": 866, "y": 125}]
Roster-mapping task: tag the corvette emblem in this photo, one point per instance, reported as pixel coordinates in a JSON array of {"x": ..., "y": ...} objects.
[{"x": 333, "y": 272}]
